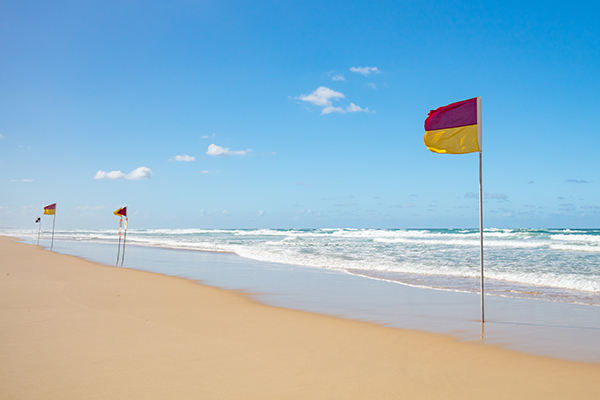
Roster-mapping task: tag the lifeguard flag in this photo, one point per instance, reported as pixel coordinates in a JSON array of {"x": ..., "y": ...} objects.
[
  {"x": 50, "y": 210},
  {"x": 455, "y": 128},
  {"x": 121, "y": 212}
]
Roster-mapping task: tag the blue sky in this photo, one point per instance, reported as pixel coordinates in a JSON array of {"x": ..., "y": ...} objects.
[{"x": 296, "y": 114}]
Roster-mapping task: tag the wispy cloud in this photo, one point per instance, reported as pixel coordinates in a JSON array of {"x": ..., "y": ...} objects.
[
  {"x": 204, "y": 172},
  {"x": 22, "y": 180},
  {"x": 366, "y": 71},
  {"x": 184, "y": 157},
  {"x": 343, "y": 110},
  {"x": 405, "y": 205},
  {"x": 218, "y": 151},
  {"x": 135, "y": 175},
  {"x": 487, "y": 196},
  {"x": 338, "y": 77},
  {"x": 1, "y": 136},
  {"x": 576, "y": 181},
  {"x": 346, "y": 204},
  {"x": 372, "y": 86}
]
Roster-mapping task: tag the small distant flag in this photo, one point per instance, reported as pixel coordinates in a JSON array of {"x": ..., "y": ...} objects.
[
  {"x": 50, "y": 210},
  {"x": 455, "y": 128},
  {"x": 39, "y": 221},
  {"x": 121, "y": 212}
]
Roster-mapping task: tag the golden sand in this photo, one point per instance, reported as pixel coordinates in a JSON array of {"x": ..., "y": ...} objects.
[{"x": 73, "y": 329}]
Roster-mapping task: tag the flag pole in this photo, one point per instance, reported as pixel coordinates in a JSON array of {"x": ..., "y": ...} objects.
[
  {"x": 53, "y": 223},
  {"x": 481, "y": 236},
  {"x": 480, "y": 204},
  {"x": 39, "y": 221},
  {"x": 119, "y": 247},
  {"x": 124, "y": 240}
]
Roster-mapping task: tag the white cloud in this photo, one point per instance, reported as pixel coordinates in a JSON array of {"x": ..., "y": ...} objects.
[
  {"x": 218, "y": 151},
  {"x": 354, "y": 108},
  {"x": 332, "y": 109},
  {"x": 22, "y": 180},
  {"x": 204, "y": 172},
  {"x": 135, "y": 175},
  {"x": 322, "y": 96},
  {"x": 349, "y": 109},
  {"x": 372, "y": 86},
  {"x": 184, "y": 157},
  {"x": 1, "y": 136},
  {"x": 366, "y": 71},
  {"x": 338, "y": 77}
]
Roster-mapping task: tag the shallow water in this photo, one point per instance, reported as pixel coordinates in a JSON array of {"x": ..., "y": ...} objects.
[{"x": 551, "y": 264}]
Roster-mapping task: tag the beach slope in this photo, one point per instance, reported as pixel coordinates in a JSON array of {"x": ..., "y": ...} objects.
[{"x": 73, "y": 329}]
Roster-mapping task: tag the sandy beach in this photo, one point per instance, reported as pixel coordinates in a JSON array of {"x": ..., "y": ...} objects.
[{"x": 73, "y": 329}]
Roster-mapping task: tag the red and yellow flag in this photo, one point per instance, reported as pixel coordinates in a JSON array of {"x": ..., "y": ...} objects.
[
  {"x": 121, "y": 212},
  {"x": 455, "y": 128},
  {"x": 50, "y": 209}
]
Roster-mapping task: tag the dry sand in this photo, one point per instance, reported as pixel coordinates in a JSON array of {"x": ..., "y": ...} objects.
[{"x": 73, "y": 329}]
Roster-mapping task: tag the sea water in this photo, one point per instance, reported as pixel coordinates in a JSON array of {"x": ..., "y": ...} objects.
[{"x": 548, "y": 264}]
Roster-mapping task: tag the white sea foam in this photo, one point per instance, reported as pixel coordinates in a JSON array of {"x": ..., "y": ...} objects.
[{"x": 546, "y": 259}]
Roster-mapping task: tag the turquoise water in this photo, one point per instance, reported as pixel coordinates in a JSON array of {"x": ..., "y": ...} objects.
[{"x": 549, "y": 264}]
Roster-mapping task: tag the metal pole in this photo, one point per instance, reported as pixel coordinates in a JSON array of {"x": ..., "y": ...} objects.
[
  {"x": 53, "y": 223},
  {"x": 481, "y": 235},
  {"x": 124, "y": 239},
  {"x": 119, "y": 247}
]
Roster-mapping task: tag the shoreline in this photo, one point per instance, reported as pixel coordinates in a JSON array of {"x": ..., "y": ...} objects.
[
  {"x": 564, "y": 285},
  {"x": 77, "y": 329},
  {"x": 563, "y": 330}
]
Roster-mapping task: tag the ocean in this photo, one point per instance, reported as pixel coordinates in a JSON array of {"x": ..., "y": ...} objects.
[{"x": 560, "y": 265}]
